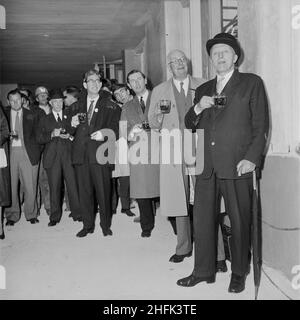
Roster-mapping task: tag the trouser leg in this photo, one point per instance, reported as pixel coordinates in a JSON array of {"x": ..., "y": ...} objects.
[
  {"x": 86, "y": 195},
  {"x": 146, "y": 214},
  {"x": 205, "y": 226},
  {"x": 237, "y": 196},
  {"x": 29, "y": 181},
  {"x": 13, "y": 212},
  {"x": 124, "y": 192},
  {"x": 101, "y": 176}
]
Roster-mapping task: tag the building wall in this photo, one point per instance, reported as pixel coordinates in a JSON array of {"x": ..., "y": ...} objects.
[
  {"x": 272, "y": 50},
  {"x": 4, "y": 89}
]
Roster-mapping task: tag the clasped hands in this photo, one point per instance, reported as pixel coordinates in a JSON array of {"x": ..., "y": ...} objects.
[{"x": 56, "y": 133}]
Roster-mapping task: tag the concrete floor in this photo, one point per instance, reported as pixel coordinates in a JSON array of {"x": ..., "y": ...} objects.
[{"x": 51, "y": 263}]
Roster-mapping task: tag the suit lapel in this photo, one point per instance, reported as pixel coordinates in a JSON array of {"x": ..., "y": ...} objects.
[
  {"x": 95, "y": 113},
  {"x": 147, "y": 105},
  {"x": 138, "y": 109},
  {"x": 229, "y": 90}
]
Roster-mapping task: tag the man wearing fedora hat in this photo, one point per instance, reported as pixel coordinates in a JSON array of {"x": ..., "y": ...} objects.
[
  {"x": 54, "y": 132},
  {"x": 233, "y": 111}
]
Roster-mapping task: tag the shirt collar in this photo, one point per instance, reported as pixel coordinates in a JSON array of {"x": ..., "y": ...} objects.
[
  {"x": 226, "y": 77},
  {"x": 92, "y": 99},
  {"x": 145, "y": 96},
  {"x": 15, "y": 112},
  {"x": 55, "y": 114}
]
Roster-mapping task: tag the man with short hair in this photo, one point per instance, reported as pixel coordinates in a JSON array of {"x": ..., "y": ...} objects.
[
  {"x": 144, "y": 177},
  {"x": 41, "y": 109},
  {"x": 54, "y": 132},
  {"x": 176, "y": 180},
  {"x": 121, "y": 173},
  {"x": 233, "y": 110},
  {"x": 41, "y": 97},
  {"x": 24, "y": 159},
  {"x": 94, "y": 173},
  {"x": 71, "y": 95},
  {"x": 121, "y": 93}
]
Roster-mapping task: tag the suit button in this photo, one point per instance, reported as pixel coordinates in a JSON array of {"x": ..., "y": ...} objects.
[{"x": 213, "y": 143}]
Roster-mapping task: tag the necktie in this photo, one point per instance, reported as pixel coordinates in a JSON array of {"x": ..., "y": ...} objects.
[
  {"x": 219, "y": 86},
  {"x": 182, "y": 93},
  {"x": 142, "y": 103},
  {"x": 17, "y": 123},
  {"x": 58, "y": 118},
  {"x": 90, "y": 111}
]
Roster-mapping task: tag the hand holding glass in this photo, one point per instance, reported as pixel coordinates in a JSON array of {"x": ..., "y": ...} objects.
[{"x": 165, "y": 106}]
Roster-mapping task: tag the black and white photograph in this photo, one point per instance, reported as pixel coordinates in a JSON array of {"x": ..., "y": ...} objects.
[{"x": 149, "y": 153}]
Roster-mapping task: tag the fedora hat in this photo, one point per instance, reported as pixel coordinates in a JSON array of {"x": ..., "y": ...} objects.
[
  {"x": 225, "y": 38},
  {"x": 56, "y": 94}
]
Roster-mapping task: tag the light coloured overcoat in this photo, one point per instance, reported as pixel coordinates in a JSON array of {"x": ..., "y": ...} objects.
[
  {"x": 144, "y": 176},
  {"x": 174, "y": 181}
]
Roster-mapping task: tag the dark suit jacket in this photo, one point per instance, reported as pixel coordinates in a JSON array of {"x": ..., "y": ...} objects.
[
  {"x": 30, "y": 124},
  {"x": 54, "y": 145},
  {"x": 5, "y": 191},
  {"x": 236, "y": 132},
  {"x": 106, "y": 115}
]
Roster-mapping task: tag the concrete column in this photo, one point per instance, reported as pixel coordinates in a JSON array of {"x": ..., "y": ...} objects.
[
  {"x": 112, "y": 74},
  {"x": 196, "y": 39},
  {"x": 177, "y": 28},
  {"x": 270, "y": 36}
]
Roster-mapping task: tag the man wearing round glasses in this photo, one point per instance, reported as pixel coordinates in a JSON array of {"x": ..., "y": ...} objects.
[
  {"x": 92, "y": 116},
  {"x": 175, "y": 179}
]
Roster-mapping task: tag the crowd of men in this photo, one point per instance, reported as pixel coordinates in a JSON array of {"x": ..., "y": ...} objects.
[{"x": 52, "y": 147}]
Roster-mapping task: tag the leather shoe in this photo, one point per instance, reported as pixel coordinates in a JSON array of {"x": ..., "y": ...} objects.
[
  {"x": 10, "y": 223},
  {"x": 128, "y": 212},
  {"x": 146, "y": 234},
  {"x": 52, "y": 223},
  {"x": 176, "y": 258},
  {"x": 192, "y": 280},
  {"x": 82, "y": 233},
  {"x": 237, "y": 283},
  {"x": 34, "y": 221},
  {"x": 2, "y": 236},
  {"x": 221, "y": 266},
  {"x": 107, "y": 233}
]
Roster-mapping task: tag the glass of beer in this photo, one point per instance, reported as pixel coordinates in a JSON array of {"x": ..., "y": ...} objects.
[
  {"x": 165, "y": 106},
  {"x": 14, "y": 134},
  {"x": 81, "y": 117},
  {"x": 146, "y": 126},
  {"x": 220, "y": 100}
]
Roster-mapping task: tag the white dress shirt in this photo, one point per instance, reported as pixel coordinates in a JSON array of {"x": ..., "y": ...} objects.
[
  {"x": 145, "y": 97},
  {"x": 185, "y": 85},
  {"x": 225, "y": 80},
  {"x": 56, "y": 115},
  {"x": 89, "y": 102}
]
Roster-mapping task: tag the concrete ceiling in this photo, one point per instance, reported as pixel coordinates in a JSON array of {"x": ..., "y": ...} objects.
[{"x": 52, "y": 42}]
